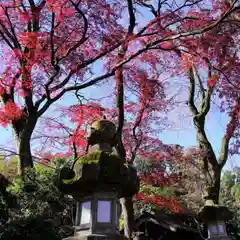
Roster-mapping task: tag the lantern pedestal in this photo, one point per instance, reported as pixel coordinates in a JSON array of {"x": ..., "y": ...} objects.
[
  {"x": 215, "y": 216},
  {"x": 96, "y": 237}
]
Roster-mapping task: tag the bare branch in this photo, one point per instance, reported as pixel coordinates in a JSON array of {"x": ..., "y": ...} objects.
[
  {"x": 67, "y": 89},
  {"x": 151, "y": 7}
]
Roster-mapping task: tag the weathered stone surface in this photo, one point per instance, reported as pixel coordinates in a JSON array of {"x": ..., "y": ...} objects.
[
  {"x": 97, "y": 237},
  {"x": 99, "y": 170},
  {"x": 102, "y": 131},
  {"x": 220, "y": 238},
  {"x": 214, "y": 212}
]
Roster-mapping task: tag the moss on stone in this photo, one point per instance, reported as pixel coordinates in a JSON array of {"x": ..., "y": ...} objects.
[
  {"x": 109, "y": 165},
  {"x": 90, "y": 158},
  {"x": 97, "y": 157}
]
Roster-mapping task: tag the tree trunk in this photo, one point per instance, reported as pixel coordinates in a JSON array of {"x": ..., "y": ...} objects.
[
  {"x": 23, "y": 129},
  {"x": 213, "y": 190},
  {"x": 128, "y": 215},
  {"x": 210, "y": 167}
]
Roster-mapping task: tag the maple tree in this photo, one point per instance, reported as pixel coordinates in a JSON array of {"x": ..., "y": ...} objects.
[
  {"x": 211, "y": 70},
  {"x": 48, "y": 48}
]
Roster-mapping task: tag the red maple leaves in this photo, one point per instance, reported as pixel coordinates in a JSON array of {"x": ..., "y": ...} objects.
[
  {"x": 212, "y": 81},
  {"x": 161, "y": 201},
  {"x": 10, "y": 112}
]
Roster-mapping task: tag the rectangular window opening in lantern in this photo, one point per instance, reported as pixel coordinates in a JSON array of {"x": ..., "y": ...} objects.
[
  {"x": 221, "y": 228},
  {"x": 85, "y": 213},
  {"x": 104, "y": 212}
]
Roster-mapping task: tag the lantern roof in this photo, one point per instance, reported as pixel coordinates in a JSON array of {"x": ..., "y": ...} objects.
[{"x": 214, "y": 212}]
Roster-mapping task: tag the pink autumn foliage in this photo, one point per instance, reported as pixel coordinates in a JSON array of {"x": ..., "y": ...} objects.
[
  {"x": 49, "y": 48},
  {"x": 74, "y": 45}
]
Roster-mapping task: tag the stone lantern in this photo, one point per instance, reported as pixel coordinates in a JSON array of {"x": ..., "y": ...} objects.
[
  {"x": 215, "y": 216},
  {"x": 97, "y": 181}
]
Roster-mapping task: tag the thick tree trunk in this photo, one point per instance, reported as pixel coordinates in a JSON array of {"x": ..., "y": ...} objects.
[
  {"x": 23, "y": 129},
  {"x": 211, "y": 168},
  {"x": 128, "y": 215},
  {"x": 214, "y": 189},
  {"x": 24, "y": 151}
]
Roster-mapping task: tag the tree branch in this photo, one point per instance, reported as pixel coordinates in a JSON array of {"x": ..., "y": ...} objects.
[
  {"x": 68, "y": 89},
  {"x": 35, "y": 13},
  {"x": 198, "y": 31},
  {"x": 120, "y": 82},
  {"x": 120, "y": 64},
  {"x": 31, "y": 3},
  {"x": 132, "y": 19},
  {"x": 52, "y": 40},
  {"x": 83, "y": 38},
  {"x": 191, "y": 93},
  {"x": 120, "y": 107},
  {"x": 5, "y": 30},
  {"x": 137, "y": 141},
  {"x": 6, "y": 40},
  {"x": 199, "y": 122},
  {"x": 16, "y": 43},
  {"x": 29, "y": 95},
  {"x": 206, "y": 103},
  {"x": 13, "y": 85},
  {"x": 199, "y": 82},
  {"x": 147, "y": 47},
  {"x": 74, "y": 149}
]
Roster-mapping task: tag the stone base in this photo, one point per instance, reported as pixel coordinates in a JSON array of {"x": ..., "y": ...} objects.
[
  {"x": 220, "y": 238},
  {"x": 96, "y": 237}
]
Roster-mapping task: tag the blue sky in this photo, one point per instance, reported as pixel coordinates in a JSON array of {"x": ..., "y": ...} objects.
[{"x": 182, "y": 133}]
